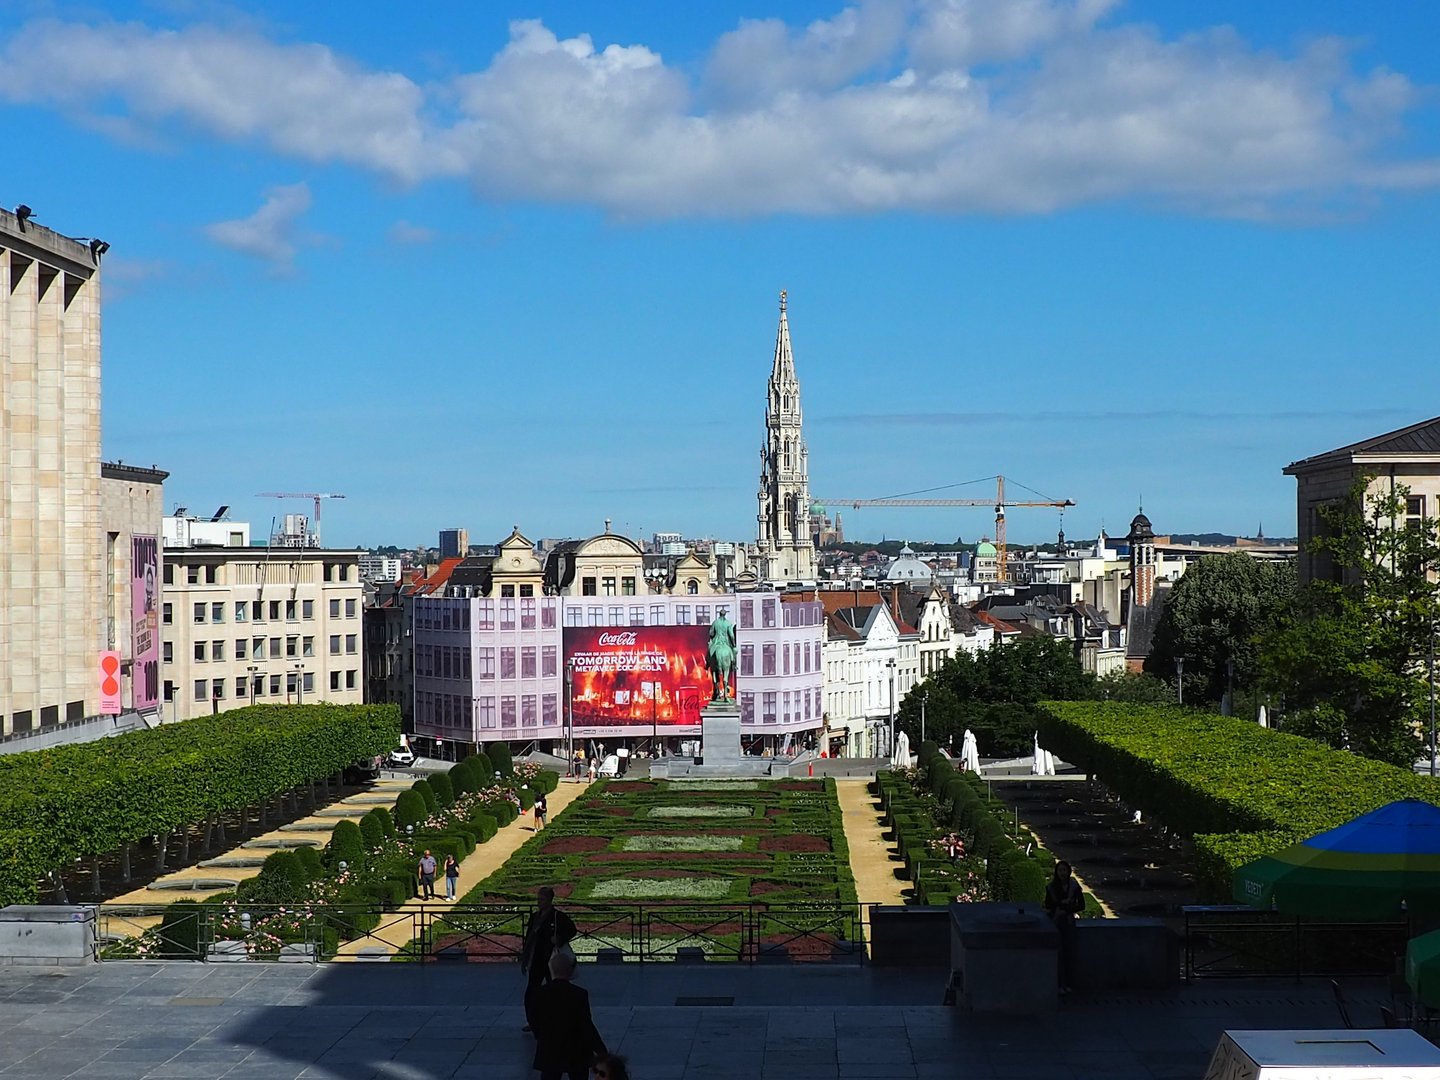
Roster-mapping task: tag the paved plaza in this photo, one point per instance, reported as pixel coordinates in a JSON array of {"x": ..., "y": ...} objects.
[{"x": 716, "y": 1022}]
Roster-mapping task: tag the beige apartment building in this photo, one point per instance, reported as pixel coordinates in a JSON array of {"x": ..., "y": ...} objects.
[
  {"x": 245, "y": 624},
  {"x": 52, "y": 576}
]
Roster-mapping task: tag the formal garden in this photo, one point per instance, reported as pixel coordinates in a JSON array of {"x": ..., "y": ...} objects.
[{"x": 670, "y": 869}]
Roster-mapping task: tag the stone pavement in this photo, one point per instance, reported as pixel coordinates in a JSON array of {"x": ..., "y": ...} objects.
[
  {"x": 872, "y": 858},
  {"x": 675, "y": 1022}
]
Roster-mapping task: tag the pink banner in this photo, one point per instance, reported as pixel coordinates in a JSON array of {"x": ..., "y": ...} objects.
[
  {"x": 145, "y": 622},
  {"x": 109, "y": 683}
]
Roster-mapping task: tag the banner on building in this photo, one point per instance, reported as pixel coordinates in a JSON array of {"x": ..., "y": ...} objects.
[
  {"x": 109, "y": 683},
  {"x": 628, "y": 679},
  {"x": 145, "y": 621}
]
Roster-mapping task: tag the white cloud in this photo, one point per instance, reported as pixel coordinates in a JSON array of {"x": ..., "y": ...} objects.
[
  {"x": 271, "y": 232},
  {"x": 960, "y": 106},
  {"x": 403, "y": 232}
]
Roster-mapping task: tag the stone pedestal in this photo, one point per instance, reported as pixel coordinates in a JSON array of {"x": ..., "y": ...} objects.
[
  {"x": 47, "y": 935},
  {"x": 720, "y": 734},
  {"x": 1004, "y": 958}
]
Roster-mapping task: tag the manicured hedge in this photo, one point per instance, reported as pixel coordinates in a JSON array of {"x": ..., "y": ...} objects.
[
  {"x": 65, "y": 803},
  {"x": 1240, "y": 790},
  {"x": 499, "y": 755}
]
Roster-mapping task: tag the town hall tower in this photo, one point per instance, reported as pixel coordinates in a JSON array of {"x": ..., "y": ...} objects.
[{"x": 787, "y": 550}]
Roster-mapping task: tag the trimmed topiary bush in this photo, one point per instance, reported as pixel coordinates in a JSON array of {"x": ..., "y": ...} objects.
[
  {"x": 462, "y": 779},
  {"x": 410, "y": 809},
  {"x": 499, "y": 755},
  {"x": 347, "y": 844},
  {"x": 372, "y": 830},
  {"x": 527, "y": 798},
  {"x": 282, "y": 880},
  {"x": 311, "y": 862},
  {"x": 444, "y": 793},
  {"x": 426, "y": 792},
  {"x": 387, "y": 823},
  {"x": 483, "y": 766}
]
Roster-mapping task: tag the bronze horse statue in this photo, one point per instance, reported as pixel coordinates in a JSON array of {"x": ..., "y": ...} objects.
[{"x": 720, "y": 657}]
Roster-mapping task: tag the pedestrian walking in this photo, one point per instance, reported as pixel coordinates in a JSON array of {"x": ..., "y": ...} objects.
[
  {"x": 566, "y": 1039},
  {"x": 1063, "y": 901},
  {"x": 549, "y": 927},
  {"x": 594, "y": 768},
  {"x": 452, "y": 876},
  {"x": 426, "y": 872},
  {"x": 541, "y": 809}
]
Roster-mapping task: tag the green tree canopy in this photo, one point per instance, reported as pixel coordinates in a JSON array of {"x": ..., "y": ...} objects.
[{"x": 1217, "y": 614}]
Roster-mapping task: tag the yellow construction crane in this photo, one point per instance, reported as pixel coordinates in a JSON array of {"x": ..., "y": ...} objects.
[
  {"x": 316, "y": 495},
  {"x": 999, "y": 502}
]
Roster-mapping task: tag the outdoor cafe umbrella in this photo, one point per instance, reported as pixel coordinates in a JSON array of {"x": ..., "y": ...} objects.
[
  {"x": 1422, "y": 968},
  {"x": 1379, "y": 866},
  {"x": 970, "y": 752}
]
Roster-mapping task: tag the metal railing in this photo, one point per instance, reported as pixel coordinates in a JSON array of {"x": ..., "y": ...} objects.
[
  {"x": 1243, "y": 942},
  {"x": 481, "y": 933}
]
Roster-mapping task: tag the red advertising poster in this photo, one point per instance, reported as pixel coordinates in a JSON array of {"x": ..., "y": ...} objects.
[{"x": 637, "y": 676}]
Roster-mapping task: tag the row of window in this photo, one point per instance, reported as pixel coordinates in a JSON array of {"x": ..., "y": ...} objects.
[
  {"x": 213, "y": 573},
  {"x": 528, "y": 614},
  {"x": 453, "y": 661},
  {"x": 543, "y": 710},
  {"x": 254, "y": 611},
  {"x": 607, "y": 587},
  {"x": 792, "y": 705},
  {"x": 793, "y": 658},
  {"x": 214, "y": 689},
  {"x": 255, "y": 649}
]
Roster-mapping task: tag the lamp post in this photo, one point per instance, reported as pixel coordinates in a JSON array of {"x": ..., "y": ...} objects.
[
  {"x": 299, "y": 683},
  {"x": 1180, "y": 680},
  {"x": 654, "y": 722},
  {"x": 891, "y": 665},
  {"x": 252, "y": 669},
  {"x": 1434, "y": 757},
  {"x": 924, "y": 696},
  {"x": 570, "y": 714}
]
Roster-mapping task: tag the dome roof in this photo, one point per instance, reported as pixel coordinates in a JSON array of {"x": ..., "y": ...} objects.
[
  {"x": 818, "y": 509},
  {"x": 1140, "y": 527},
  {"x": 908, "y": 568},
  {"x": 985, "y": 548}
]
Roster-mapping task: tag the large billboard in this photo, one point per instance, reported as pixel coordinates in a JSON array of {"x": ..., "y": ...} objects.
[
  {"x": 145, "y": 622},
  {"x": 624, "y": 680}
]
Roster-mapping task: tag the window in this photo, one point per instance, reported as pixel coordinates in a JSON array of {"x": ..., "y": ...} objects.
[
  {"x": 547, "y": 615},
  {"x": 242, "y": 609},
  {"x": 767, "y": 613},
  {"x": 487, "y": 663},
  {"x": 527, "y": 591},
  {"x": 217, "y": 612},
  {"x": 257, "y": 648},
  {"x": 290, "y": 611},
  {"x": 702, "y": 614},
  {"x": 349, "y": 609},
  {"x": 692, "y": 587},
  {"x": 507, "y": 590},
  {"x": 292, "y": 646},
  {"x": 309, "y": 682},
  {"x": 507, "y": 614},
  {"x": 199, "y": 613},
  {"x": 192, "y": 577},
  {"x": 217, "y": 650},
  {"x": 307, "y": 646},
  {"x": 507, "y": 663},
  {"x": 627, "y": 586},
  {"x": 507, "y": 712},
  {"x": 307, "y": 609},
  {"x": 682, "y": 614},
  {"x": 574, "y": 616},
  {"x": 550, "y": 710},
  {"x": 275, "y": 647},
  {"x": 274, "y": 685},
  {"x": 334, "y": 680},
  {"x": 767, "y": 659},
  {"x": 487, "y": 614},
  {"x": 168, "y": 652},
  {"x": 334, "y": 644},
  {"x": 350, "y": 679},
  {"x": 169, "y": 574},
  {"x": 350, "y": 644},
  {"x": 527, "y": 662},
  {"x": 212, "y": 575},
  {"x": 527, "y": 614},
  {"x": 608, "y": 585},
  {"x": 335, "y": 608},
  {"x": 290, "y": 683},
  {"x": 167, "y": 614},
  {"x": 747, "y": 659},
  {"x": 617, "y": 615},
  {"x": 217, "y": 689},
  {"x": 594, "y": 616},
  {"x": 785, "y": 658},
  {"x": 785, "y": 706},
  {"x": 274, "y": 610},
  {"x": 200, "y": 647},
  {"x": 637, "y": 615},
  {"x": 768, "y": 701},
  {"x": 527, "y": 710},
  {"x": 257, "y": 611},
  {"x": 240, "y": 647},
  {"x": 657, "y": 614},
  {"x": 549, "y": 661},
  {"x": 747, "y": 614},
  {"x": 240, "y": 690},
  {"x": 199, "y": 687},
  {"x": 587, "y": 586},
  {"x": 747, "y": 707}
]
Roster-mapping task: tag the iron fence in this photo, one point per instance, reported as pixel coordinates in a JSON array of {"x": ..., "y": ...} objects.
[
  {"x": 480, "y": 933},
  {"x": 1243, "y": 942}
]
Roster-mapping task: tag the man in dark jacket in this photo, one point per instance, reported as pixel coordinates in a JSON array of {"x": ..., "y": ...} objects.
[
  {"x": 548, "y": 927},
  {"x": 566, "y": 1041}
]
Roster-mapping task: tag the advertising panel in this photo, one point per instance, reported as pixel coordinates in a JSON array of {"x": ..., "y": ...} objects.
[
  {"x": 109, "y": 683},
  {"x": 628, "y": 679},
  {"x": 145, "y": 622}
]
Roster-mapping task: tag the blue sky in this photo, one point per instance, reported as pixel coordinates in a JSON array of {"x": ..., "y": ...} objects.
[{"x": 477, "y": 265}]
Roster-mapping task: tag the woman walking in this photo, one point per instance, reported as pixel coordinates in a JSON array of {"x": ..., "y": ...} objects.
[
  {"x": 540, "y": 811},
  {"x": 452, "y": 876}
]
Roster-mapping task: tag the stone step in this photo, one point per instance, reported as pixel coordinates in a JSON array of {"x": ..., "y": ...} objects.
[
  {"x": 342, "y": 811},
  {"x": 200, "y": 884},
  {"x": 283, "y": 842},
  {"x": 309, "y": 826},
  {"x": 235, "y": 861}
]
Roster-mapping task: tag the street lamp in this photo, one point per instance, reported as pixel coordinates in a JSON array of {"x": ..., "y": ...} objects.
[
  {"x": 570, "y": 714},
  {"x": 252, "y": 669},
  {"x": 924, "y": 696},
  {"x": 1434, "y": 757},
  {"x": 891, "y": 665},
  {"x": 1180, "y": 680},
  {"x": 299, "y": 683}
]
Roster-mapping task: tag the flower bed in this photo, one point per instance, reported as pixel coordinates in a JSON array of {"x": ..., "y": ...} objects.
[{"x": 685, "y": 843}]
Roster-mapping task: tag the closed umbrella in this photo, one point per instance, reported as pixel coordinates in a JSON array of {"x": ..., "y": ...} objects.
[
  {"x": 1037, "y": 765},
  {"x": 1377, "y": 866},
  {"x": 970, "y": 752}
]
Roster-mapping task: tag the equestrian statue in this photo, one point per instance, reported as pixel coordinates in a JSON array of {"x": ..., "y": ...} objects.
[{"x": 720, "y": 658}]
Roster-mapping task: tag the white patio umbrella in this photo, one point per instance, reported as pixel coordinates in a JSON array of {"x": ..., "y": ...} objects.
[
  {"x": 970, "y": 752},
  {"x": 901, "y": 759},
  {"x": 1037, "y": 764},
  {"x": 1049, "y": 762},
  {"x": 1264, "y": 719}
]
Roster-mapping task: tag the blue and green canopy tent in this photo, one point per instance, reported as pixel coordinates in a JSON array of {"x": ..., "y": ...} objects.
[{"x": 1379, "y": 866}]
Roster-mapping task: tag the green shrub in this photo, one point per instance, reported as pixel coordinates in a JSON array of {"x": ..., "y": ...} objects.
[
  {"x": 180, "y": 930},
  {"x": 372, "y": 830},
  {"x": 347, "y": 845},
  {"x": 547, "y": 781},
  {"x": 410, "y": 809},
  {"x": 527, "y": 798},
  {"x": 485, "y": 826},
  {"x": 387, "y": 823},
  {"x": 499, "y": 755},
  {"x": 444, "y": 793},
  {"x": 462, "y": 779},
  {"x": 426, "y": 792},
  {"x": 282, "y": 880},
  {"x": 483, "y": 766},
  {"x": 310, "y": 862}
]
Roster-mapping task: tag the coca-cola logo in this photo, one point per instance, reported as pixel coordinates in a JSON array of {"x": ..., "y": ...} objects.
[{"x": 627, "y": 637}]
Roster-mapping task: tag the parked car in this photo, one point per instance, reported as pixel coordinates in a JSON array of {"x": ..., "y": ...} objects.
[
  {"x": 365, "y": 769},
  {"x": 402, "y": 758}
]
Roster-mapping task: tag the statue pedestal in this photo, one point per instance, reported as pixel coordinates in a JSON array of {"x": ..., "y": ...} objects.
[{"x": 720, "y": 734}]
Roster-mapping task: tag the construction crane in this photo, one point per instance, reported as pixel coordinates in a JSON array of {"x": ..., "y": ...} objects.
[
  {"x": 316, "y": 495},
  {"x": 999, "y": 502}
]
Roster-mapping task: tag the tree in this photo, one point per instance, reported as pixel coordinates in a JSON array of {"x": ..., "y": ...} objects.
[
  {"x": 1134, "y": 688},
  {"x": 1349, "y": 662},
  {"x": 1215, "y": 616}
]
